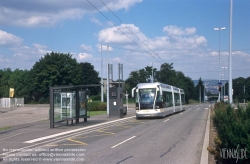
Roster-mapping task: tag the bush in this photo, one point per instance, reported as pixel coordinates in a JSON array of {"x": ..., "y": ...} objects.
[
  {"x": 98, "y": 97},
  {"x": 43, "y": 100},
  {"x": 97, "y": 106},
  {"x": 233, "y": 127}
]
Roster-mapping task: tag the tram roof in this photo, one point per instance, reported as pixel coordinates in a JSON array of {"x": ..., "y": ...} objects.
[{"x": 155, "y": 84}]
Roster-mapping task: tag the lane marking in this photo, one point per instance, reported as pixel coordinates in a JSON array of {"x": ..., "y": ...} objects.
[
  {"x": 123, "y": 142},
  {"x": 105, "y": 132},
  {"x": 21, "y": 133},
  {"x": 166, "y": 120},
  {"x": 181, "y": 113},
  {"x": 75, "y": 130},
  {"x": 52, "y": 145},
  {"x": 82, "y": 143},
  {"x": 206, "y": 108}
]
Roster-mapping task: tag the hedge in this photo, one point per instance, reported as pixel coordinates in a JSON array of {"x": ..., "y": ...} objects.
[
  {"x": 97, "y": 106},
  {"x": 233, "y": 127}
]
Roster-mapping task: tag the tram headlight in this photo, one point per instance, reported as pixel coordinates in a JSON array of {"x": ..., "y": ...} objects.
[{"x": 157, "y": 107}]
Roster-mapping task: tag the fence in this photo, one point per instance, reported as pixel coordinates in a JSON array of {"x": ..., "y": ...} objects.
[{"x": 11, "y": 102}]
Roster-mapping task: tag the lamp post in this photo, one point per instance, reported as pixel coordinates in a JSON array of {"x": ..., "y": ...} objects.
[
  {"x": 152, "y": 73},
  {"x": 230, "y": 82},
  {"x": 224, "y": 80},
  {"x": 107, "y": 80},
  {"x": 101, "y": 76},
  {"x": 219, "y": 29}
]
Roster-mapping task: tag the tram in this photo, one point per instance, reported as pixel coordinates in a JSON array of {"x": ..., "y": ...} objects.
[{"x": 157, "y": 99}]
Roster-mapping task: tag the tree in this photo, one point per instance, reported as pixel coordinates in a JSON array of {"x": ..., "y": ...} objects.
[
  {"x": 53, "y": 69},
  {"x": 90, "y": 76},
  {"x": 4, "y": 82},
  {"x": 140, "y": 76},
  {"x": 200, "y": 90},
  {"x": 167, "y": 74}
]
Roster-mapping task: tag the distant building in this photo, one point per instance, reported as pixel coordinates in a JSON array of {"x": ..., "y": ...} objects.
[{"x": 105, "y": 85}]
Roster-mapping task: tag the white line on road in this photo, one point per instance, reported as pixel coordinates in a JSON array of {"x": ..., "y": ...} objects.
[
  {"x": 181, "y": 113},
  {"x": 166, "y": 120},
  {"x": 123, "y": 142},
  {"x": 76, "y": 130}
]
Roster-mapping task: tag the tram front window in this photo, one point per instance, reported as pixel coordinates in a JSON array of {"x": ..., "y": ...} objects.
[{"x": 146, "y": 98}]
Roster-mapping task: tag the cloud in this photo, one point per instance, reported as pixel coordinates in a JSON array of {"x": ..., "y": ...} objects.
[
  {"x": 125, "y": 33},
  {"x": 31, "y": 13},
  {"x": 130, "y": 36},
  {"x": 96, "y": 21},
  {"x": 85, "y": 47},
  {"x": 84, "y": 56},
  {"x": 9, "y": 40},
  {"x": 174, "y": 30},
  {"x": 23, "y": 57}
]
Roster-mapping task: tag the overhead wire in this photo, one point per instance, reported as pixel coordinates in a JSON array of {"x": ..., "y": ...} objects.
[
  {"x": 122, "y": 31},
  {"x": 130, "y": 30}
]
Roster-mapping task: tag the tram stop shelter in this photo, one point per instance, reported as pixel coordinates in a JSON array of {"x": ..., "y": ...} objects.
[{"x": 69, "y": 103}]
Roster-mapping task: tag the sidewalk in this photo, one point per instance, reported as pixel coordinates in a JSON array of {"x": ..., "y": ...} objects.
[{"x": 28, "y": 114}]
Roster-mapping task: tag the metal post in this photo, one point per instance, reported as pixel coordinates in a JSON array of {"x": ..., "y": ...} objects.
[
  {"x": 127, "y": 99},
  {"x": 119, "y": 73},
  {"x": 204, "y": 94},
  {"x": 200, "y": 93},
  {"x": 107, "y": 81},
  {"x": 152, "y": 73},
  {"x": 230, "y": 54},
  {"x": 51, "y": 110},
  {"x": 101, "y": 76}
]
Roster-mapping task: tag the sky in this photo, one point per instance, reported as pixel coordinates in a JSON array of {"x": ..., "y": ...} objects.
[{"x": 135, "y": 33}]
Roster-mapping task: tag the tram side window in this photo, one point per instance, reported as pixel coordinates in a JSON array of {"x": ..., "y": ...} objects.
[
  {"x": 168, "y": 99},
  {"x": 177, "y": 99}
]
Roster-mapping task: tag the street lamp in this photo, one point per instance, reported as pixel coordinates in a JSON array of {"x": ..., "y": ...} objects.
[
  {"x": 224, "y": 80},
  {"x": 219, "y": 29}
]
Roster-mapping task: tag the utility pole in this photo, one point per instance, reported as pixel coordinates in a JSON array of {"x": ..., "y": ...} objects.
[
  {"x": 152, "y": 73},
  {"x": 230, "y": 55},
  {"x": 107, "y": 81},
  {"x": 101, "y": 76}
]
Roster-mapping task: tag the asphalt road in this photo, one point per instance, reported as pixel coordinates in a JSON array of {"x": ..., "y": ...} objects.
[{"x": 175, "y": 139}]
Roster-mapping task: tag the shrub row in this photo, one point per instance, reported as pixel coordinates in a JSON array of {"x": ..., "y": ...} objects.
[
  {"x": 233, "y": 127},
  {"x": 97, "y": 106}
]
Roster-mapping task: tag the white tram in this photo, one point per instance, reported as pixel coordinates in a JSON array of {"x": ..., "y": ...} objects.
[{"x": 157, "y": 99}]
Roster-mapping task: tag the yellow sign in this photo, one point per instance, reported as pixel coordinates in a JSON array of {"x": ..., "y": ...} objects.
[{"x": 11, "y": 92}]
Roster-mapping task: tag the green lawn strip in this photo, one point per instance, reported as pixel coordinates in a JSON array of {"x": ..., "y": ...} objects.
[
  {"x": 93, "y": 113},
  {"x": 5, "y": 128}
]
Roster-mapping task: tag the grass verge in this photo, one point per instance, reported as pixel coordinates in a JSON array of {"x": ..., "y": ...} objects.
[
  {"x": 5, "y": 128},
  {"x": 93, "y": 113}
]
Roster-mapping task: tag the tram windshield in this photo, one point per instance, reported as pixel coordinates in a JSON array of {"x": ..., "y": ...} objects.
[{"x": 146, "y": 97}]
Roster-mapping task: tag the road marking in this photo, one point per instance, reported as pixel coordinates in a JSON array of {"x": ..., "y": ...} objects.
[
  {"x": 181, "y": 113},
  {"x": 21, "y": 133},
  {"x": 52, "y": 145},
  {"x": 206, "y": 108},
  {"x": 123, "y": 142},
  {"x": 82, "y": 143},
  {"x": 105, "y": 132},
  {"x": 72, "y": 131},
  {"x": 166, "y": 120}
]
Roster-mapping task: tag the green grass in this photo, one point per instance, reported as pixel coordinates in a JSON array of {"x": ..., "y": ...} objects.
[
  {"x": 193, "y": 101},
  {"x": 5, "y": 128},
  {"x": 93, "y": 113}
]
